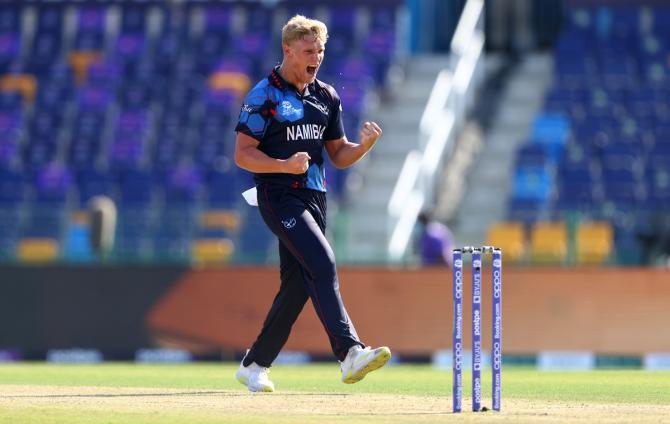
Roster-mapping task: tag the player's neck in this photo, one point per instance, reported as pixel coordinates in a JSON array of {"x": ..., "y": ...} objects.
[{"x": 286, "y": 74}]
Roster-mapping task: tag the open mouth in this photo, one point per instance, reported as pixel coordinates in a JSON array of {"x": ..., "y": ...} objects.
[{"x": 311, "y": 69}]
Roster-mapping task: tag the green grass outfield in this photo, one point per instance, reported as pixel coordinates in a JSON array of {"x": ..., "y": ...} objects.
[{"x": 207, "y": 393}]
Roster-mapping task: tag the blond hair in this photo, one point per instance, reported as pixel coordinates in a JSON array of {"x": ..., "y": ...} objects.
[{"x": 300, "y": 26}]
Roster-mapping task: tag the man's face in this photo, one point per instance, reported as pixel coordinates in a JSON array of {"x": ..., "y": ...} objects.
[{"x": 305, "y": 56}]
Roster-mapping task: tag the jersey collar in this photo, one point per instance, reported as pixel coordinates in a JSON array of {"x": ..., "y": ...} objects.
[{"x": 276, "y": 80}]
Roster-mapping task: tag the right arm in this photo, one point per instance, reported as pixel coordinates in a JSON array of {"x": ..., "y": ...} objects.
[{"x": 247, "y": 156}]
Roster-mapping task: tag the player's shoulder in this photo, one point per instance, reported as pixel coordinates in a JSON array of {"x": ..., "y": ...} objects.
[
  {"x": 326, "y": 90},
  {"x": 260, "y": 93}
]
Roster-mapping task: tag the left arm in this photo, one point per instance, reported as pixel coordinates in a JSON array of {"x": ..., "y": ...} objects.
[{"x": 344, "y": 153}]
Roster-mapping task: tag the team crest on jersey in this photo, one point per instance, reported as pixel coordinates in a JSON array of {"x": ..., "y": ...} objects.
[{"x": 290, "y": 110}]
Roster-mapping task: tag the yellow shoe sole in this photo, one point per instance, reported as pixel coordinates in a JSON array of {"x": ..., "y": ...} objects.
[{"x": 382, "y": 358}]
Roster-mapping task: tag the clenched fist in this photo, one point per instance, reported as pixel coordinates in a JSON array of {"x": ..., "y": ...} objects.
[
  {"x": 297, "y": 164},
  {"x": 369, "y": 134}
]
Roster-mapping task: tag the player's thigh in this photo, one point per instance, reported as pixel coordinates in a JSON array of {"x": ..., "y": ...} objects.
[{"x": 303, "y": 237}]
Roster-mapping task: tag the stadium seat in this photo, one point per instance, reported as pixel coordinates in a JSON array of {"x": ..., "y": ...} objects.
[
  {"x": 551, "y": 131},
  {"x": 510, "y": 237},
  {"x": 532, "y": 155},
  {"x": 211, "y": 251},
  {"x": 220, "y": 219},
  {"x": 548, "y": 243},
  {"x": 138, "y": 210},
  {"x": 38, "y": 250},
  {"x": 255, "y": 242},
  {"x": 594, "y": 242},
  {"x": 532, "y": 183},
  {"x": 525, "y": 210},
  {"x": 13, "y": 190}
]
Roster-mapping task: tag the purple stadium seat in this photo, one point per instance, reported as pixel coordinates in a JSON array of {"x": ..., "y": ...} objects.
[
  {"x": 129, "y": 147},
  {"x": 218, "y": 18},
  {"x": 130, "y": 47},
  {"x": 91, "y": 98},
  {"x": 91, "y": 21},
  {"x": 104, "y": 74},
  {"x": 381, "y": 47},
  {"x": 39, "y": 153},
  {"x": 10, "y": 47},
  {"x": 259, "y": 21},
  {"x": 184, "y": 184}
]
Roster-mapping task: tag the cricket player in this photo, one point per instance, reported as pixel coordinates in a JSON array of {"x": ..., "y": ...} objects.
[{"x": 285, "y": 122}]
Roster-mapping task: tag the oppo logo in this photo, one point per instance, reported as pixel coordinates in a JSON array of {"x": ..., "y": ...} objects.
[
  {"x": 458, "y": 284},
  {"x": 497, "y": 356},
  {"x": 457, "y": 357},
  {"x": 497, "y": 284}
]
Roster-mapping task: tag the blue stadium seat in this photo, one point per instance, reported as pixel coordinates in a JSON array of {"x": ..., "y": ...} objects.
[
  {"x": 225, "y": 185},
  {"x": 138, "y": 210},
  {"x": 611, "y": 85},
  {"x": 94, "y": 181},
  {"x": 49, "y": 208},
  {"x": 525, "y": 210},
  {"x": 532, "y": 183},
  {"x": 10, "y": 18},
  {"x": 551, "y": 130},
  {"x": 255, "y": 243},
  {"x": 13, "y": 192},
  {"x": 134, "y": 17},
  {"x": 658, "y": 189},
  {"x": 532, "y": 155}
]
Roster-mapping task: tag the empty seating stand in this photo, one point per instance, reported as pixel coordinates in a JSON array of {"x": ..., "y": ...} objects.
[
  {"x": 137, "y": 101},
  {"x": 602, "y": 134}
]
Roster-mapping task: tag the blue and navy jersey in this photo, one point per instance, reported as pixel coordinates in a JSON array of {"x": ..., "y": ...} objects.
[{"x": 286, "y": 122}]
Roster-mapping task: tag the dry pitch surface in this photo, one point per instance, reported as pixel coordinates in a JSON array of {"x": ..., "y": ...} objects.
[
  {"x": 46, "y": 404},
  {"x": 121, "y": 393}
]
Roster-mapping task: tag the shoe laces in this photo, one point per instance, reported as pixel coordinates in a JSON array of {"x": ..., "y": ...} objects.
[
  {"x": 261, "y": 371},
  {"x": 354, "y": 351}
]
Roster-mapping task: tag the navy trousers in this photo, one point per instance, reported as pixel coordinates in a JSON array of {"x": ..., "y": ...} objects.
[{"x": 307, "y": 270}]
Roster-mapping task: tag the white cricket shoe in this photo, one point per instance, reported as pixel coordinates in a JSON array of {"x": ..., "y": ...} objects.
[
  {"x": 254, "y": 377},
  {"x": 360, "y": 361}
]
